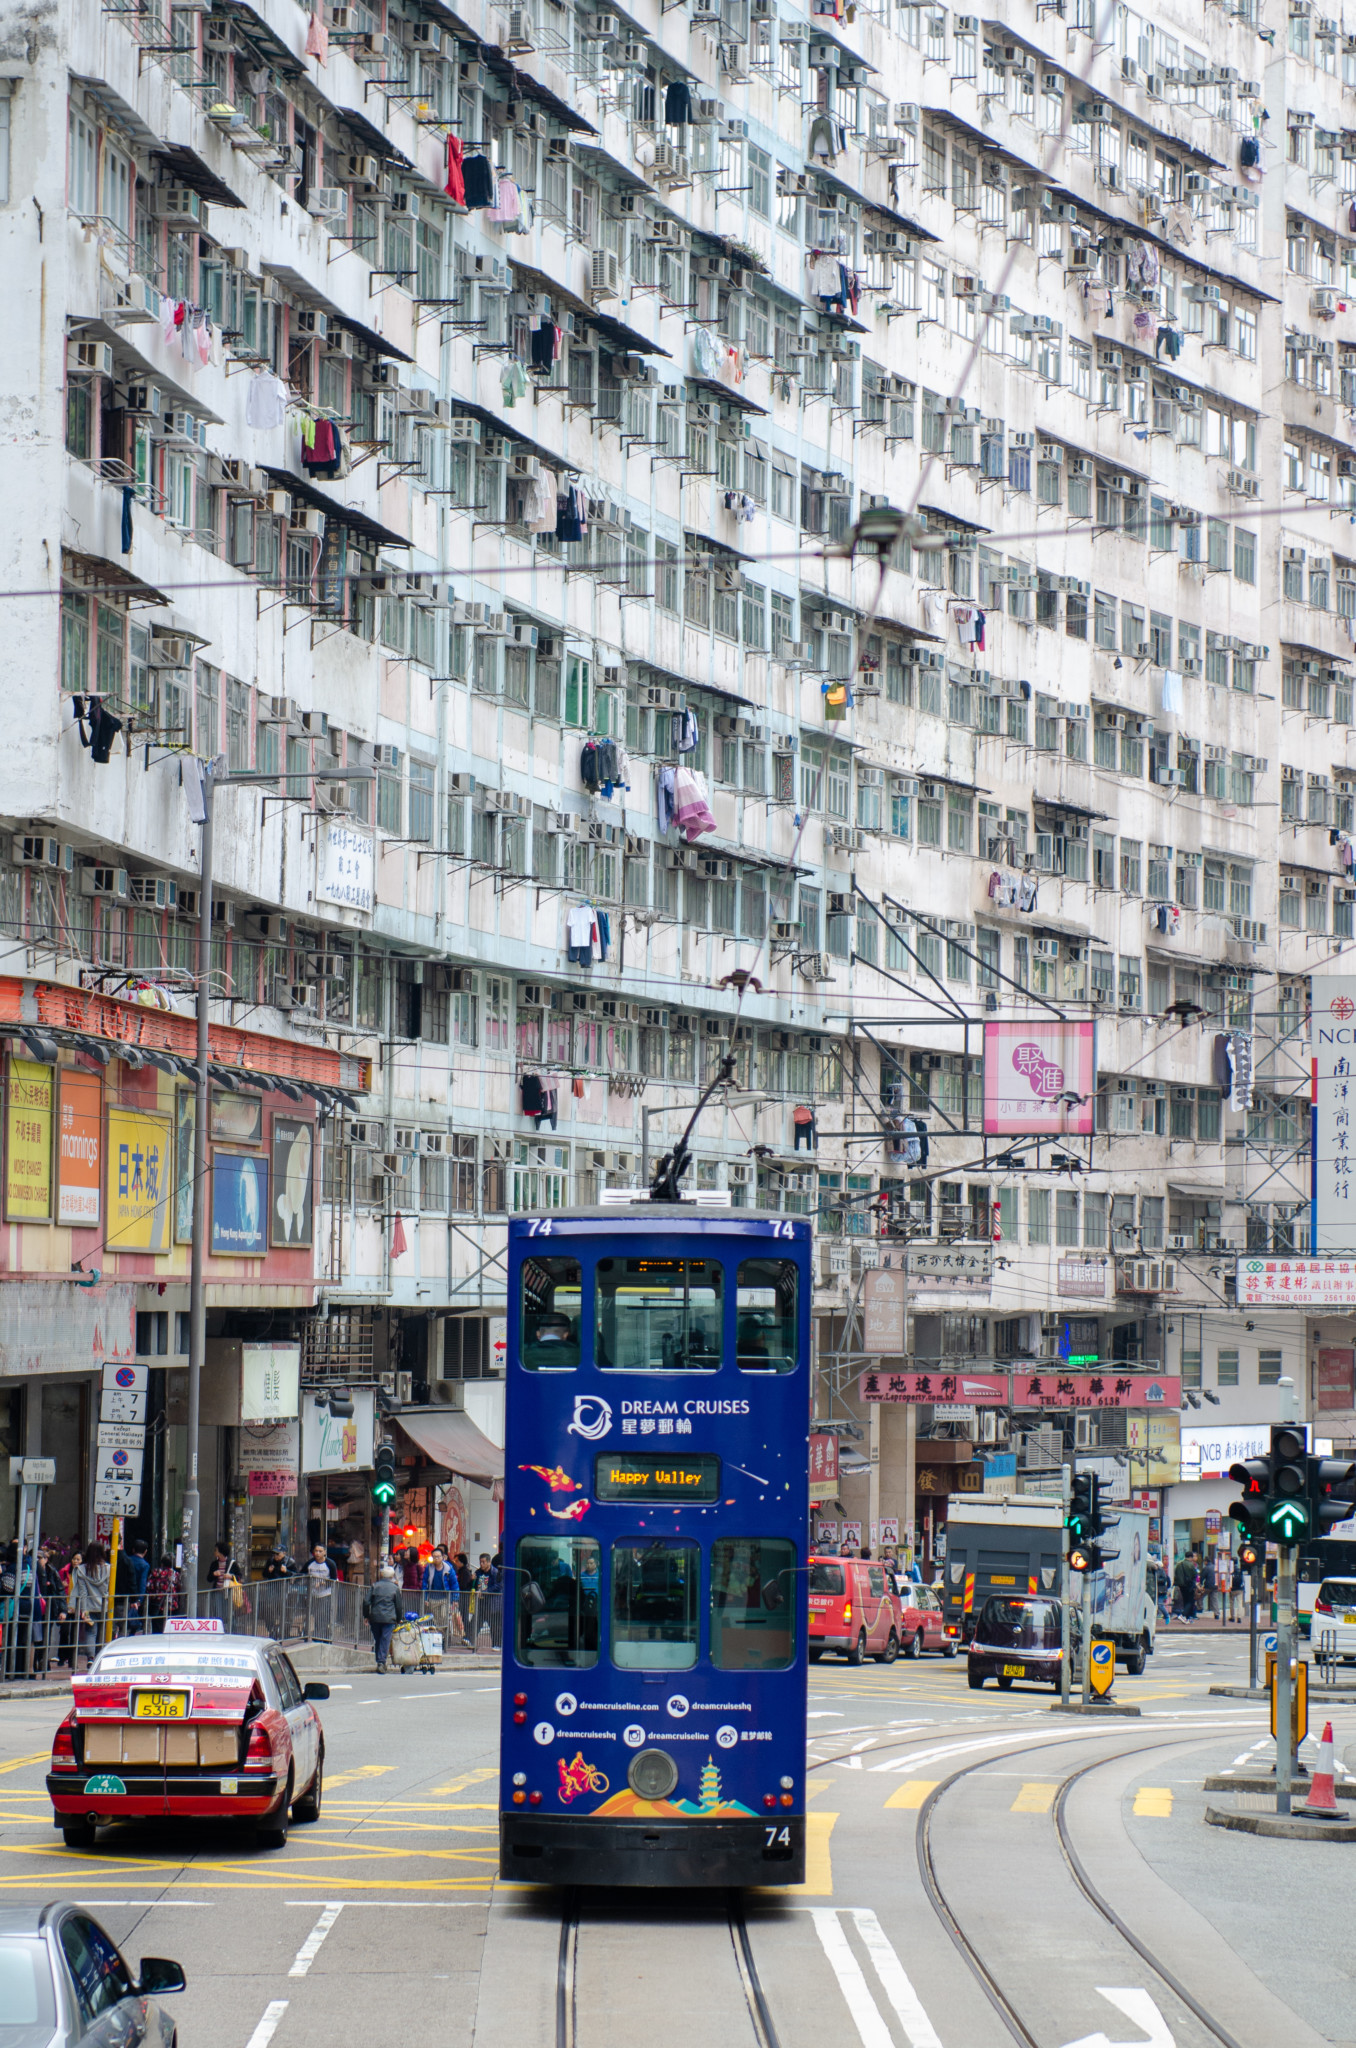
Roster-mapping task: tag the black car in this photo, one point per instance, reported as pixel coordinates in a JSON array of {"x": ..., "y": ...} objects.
[
  {"x": 64, "y": 1981},
  {"x": 1016, "y": 1636}
]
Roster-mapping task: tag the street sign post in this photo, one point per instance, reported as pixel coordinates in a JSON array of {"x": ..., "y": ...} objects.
[{"x": 1102, "y": 1667}]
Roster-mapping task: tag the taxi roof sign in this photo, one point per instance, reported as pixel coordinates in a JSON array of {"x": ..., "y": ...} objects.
[{"x": 194, "y": 1625}]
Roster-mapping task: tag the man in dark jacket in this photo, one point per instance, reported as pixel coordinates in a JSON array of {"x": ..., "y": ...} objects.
[
  {"x": 137, "y": 1566},
  {"x": 382, "y": 1609}
]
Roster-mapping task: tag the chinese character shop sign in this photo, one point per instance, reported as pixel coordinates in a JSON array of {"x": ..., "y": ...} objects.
[
  {"x": 1334, "y": 1079},
  {"x": 345, "y": 867},
  {"x": 1095, "y": 1390},
  {"x": 985, "y": 1389},
  {"x": 1297, "y": 1283},
  {"x": 1032, "y": 1073}
]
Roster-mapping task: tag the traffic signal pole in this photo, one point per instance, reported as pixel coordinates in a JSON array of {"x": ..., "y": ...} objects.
[
  {"x": 1087, "y": 1637},
  {"x": 1285, "y": 1638},
  {"x": 1065, "y": 1634},
  {"x": 1254, "y": 1581}
]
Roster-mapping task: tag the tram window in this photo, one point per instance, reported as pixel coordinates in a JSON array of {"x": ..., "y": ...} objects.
[
  {"x": 654, "y": 1605},
  {"x": 826, "y": 1578},
  {"x": 765, "y": 1316},
  {"x": 658, "y": 1315},
  {"x": 550, "y": 1314},
  {"x": 557, "y": 1600},
  {"x": 753, "y": 1603}
]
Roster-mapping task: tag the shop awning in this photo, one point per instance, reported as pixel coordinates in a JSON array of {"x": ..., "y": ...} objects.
[{"x": 451, "y": 1439}]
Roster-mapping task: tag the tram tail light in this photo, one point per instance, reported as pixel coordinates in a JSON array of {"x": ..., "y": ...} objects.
[
  {"x": 534, "y": 1798},
  {"x": 520, "y": 1798},
  {"x": 519, "y": 1718},
  {"x": 787, "y": 1799},
  {"x": 769, "y": 1799}
]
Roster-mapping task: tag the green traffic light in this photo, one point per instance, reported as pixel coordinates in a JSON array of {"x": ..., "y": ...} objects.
[{"x": 1290, "y": 1517}]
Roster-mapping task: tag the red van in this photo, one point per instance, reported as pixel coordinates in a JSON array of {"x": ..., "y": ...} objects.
[{"x": 853, "y": 1608}]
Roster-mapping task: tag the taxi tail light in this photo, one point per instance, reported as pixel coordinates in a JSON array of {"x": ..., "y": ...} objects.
[
  {"x": 259, "y": 1755},
  {"x": 63, "y": 1746},
  {"x": 1322, "y": 1607}
]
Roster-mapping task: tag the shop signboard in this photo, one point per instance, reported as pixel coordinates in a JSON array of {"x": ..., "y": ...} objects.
[
  {"x": 1039, "y": 1077},
  {"x": 138, "y": 1194},
  {"x": 1333, "y": 1028},
  {"x": 979, "y": 1389},
  {"x": 80, "y": 1155},
  {"x": 337, "y": 1443},
  {"x": 28, "y": 1141},
  {"x": 883, "y": 1305},
  {"x": 1286, "y": 1282},
  {"x": 269, "y": 1381},
  {"x": 1095, "y": 1390}
]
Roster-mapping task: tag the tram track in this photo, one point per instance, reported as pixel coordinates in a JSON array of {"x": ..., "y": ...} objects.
[
  {"x": 751, "y": 1985},
  {"x": 946, "y": 1911}
]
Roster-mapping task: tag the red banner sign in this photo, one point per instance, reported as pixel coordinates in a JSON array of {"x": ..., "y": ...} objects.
[
  {"x": 823, "y": 1459},
  {"x": 1095, "y": 1390},
  {"x": 984, "y": 1389}
]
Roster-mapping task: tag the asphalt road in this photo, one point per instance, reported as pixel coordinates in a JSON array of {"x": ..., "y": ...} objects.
[{"x": 385, "y": 1918}]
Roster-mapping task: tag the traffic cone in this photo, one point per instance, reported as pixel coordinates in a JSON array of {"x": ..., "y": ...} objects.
[{"x": 1322, "y": 1800}]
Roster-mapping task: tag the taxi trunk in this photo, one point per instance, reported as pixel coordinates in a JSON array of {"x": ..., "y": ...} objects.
[{"x": 134, "y": 1748}]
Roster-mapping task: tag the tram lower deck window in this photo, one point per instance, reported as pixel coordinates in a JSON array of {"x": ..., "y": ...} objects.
[
  {"x": 658, "y": 1315},
  {"x": 557, "y": 1581},
  {"x": 753, "y": 1603},
  {"x": 654, "y": 1605}
]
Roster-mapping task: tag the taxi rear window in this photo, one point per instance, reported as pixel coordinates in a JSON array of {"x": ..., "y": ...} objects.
[{"x": 826, "y": 1578}]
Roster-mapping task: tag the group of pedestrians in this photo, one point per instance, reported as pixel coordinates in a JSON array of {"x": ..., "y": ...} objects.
[
  {"x": 55, "y": 1612},
  {"x": 1210, "y": 1588},
  {"x": 403, "y": 1586}
]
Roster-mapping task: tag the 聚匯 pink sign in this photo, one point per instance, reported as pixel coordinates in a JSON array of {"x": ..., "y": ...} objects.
[{"x": 1039, "y": 1076}]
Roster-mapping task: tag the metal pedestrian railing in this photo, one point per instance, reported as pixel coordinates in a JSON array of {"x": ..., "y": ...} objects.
[{"x": 43, "y": 1638}]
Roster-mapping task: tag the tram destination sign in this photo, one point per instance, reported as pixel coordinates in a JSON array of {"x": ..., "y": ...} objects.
[{"x": 656, "y": 1476}]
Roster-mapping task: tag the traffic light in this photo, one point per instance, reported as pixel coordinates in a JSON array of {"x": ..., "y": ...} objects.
[
  {"x": 1287, "y": 1503},
  {"x": 1250, "y": 1513},
  {"x": 1086, "y": 1523},
  {"x": 1332, "y": 1492},
  {"x": 384, "y": 1476},
  {"x": 1248, "y": 1553}
]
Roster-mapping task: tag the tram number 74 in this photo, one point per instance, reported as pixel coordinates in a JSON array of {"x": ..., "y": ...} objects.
[{"x": 777, "y": 1838}]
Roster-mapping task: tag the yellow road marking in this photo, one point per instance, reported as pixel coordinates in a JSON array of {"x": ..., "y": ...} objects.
[
  {"x": 465, "y": 1783},
  {"x": 912, "y": 1793},
  {"x": 1154, "y": 1802},
  {"x": 354, "y": 1884},
  {"x": 817, "y": 1785},
  {"x": 408, "y": 1805},
  {"x": 1034, "y": 1799},
  {"x": 818, "y": 1869},
  {"x": 352, "y": 1777},
  {"x": 19, "y": 1763}
]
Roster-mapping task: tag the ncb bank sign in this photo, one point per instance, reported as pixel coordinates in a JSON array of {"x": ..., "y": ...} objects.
[{"x": 1334, "y": 1113}]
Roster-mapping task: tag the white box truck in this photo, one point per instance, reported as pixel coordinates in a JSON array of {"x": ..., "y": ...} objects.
[{"x": 1014, "y": 1543}]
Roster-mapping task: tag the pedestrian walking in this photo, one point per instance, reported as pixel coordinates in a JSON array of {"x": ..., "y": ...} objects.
[
  {"x": 1184, "y": 1579},
  {"x": 320, "y": 1577},
  {"x": 53, "y": 1595},
  {"x": 89, "y": 1597},
  {"x": 1237, "y": 1602},
  {"x": 1163, "y": 1594},
  {"x": 411, "y": 1576},
  {"x": 137, "y": 1566},
  {"x": 162, "y": 1594},
  {"x": 383, "y": 1607},
  {"x": 280, "y": 1565}
]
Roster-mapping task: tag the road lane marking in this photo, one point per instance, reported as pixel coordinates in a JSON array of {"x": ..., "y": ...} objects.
[
  {"x": 310, "y": 1948},
  {"x": 910, "y": 1796},
  {"x": 464, "y": 1783},
  {"x": 1033, "y": 1799},
  {"x": 20, "y": 1763},
  {"x": 354, "y": 1776},
  {"x": 871, "y": 2028},
  {"x": 268, "y": 2025},
  {"x": 895, "y": 1982},
  {"x": 1154, "y": 1802},
  {"x": 1139, "y": 2008}
]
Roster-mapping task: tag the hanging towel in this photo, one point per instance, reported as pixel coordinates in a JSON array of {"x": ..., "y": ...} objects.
[
  {"x": 531, "y": 1086},
  {"x": 318, "y": 37},
  {"x": 1172, "y": 691},
  {"x": 266, "y": 403},
  {"x": 455, "y": 187},
  {"x": 478, "y": 174},
  {"x": 692, "y": 809},
  {"x": 513, "y": 382}
]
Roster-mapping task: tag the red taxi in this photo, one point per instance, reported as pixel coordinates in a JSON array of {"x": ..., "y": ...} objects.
[
  {"x": 923, "y": 1625},
  {"x": 853, "y": 1608},
  {"x": 193, "y": 1724}
]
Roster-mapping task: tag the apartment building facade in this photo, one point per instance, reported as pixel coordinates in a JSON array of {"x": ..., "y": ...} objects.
[{"x": 456, "y": 421}]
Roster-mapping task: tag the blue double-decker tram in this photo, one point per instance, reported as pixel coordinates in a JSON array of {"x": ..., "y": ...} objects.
[{"x": 655, "y": 1542}]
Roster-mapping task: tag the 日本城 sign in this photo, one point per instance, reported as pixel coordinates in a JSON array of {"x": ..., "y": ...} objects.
[{"x": 1285, "y": 1282}]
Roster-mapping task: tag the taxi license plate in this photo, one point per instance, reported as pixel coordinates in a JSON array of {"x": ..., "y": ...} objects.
[
  {"x": 1014, "y": 1671},
  {"x": 160, "y": 1706}
]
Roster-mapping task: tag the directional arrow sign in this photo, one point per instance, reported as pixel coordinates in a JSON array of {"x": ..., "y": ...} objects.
[{"x": 1139, "y": 2008}]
